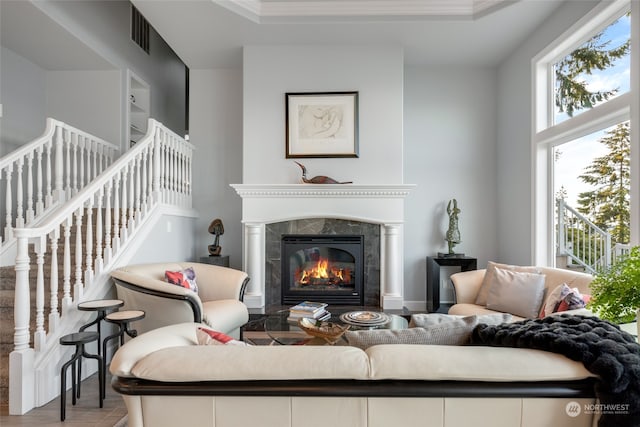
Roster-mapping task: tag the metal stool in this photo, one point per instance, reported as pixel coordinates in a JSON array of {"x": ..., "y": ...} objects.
[
  {"x": 101, "y": 306},
  {"x": 79, "y": 339},
  {"x": 122, "y": 319}
]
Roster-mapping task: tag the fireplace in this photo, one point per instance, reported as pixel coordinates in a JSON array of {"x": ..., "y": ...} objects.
[{"x": 327, "y": 268}]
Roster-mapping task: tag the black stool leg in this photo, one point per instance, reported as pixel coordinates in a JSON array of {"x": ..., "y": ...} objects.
[
  {"x": 63, "y": 382},
  {"x": 100, "y": 372},
  {"x": 104, "y": 353}
]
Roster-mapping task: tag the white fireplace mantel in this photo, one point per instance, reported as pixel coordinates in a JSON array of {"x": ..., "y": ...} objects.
[{"x": 379, "y": 204}]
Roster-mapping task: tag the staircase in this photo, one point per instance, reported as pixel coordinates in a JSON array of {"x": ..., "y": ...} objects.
[{"x": 65, "y": 256}]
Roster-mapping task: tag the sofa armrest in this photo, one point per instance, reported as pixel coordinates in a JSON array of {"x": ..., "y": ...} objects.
[
  {"x": 217, "y": 283},
  {"x": 466, "y": 285}
]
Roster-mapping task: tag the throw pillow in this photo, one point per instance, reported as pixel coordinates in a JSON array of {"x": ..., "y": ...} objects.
[
  {"x": 517, "y": 293},
  {"x": 185, "y": 278},
  {"x": 451, "y": 330},
  {"x": 489, "y": 278},
  {"x": 563, "y": 298},
  {"x": 425, "y": 320},
  {"x": 210, "y": 337}
]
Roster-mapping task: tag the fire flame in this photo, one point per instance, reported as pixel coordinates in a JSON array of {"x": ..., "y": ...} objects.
[{"x": 322, "y": 271}]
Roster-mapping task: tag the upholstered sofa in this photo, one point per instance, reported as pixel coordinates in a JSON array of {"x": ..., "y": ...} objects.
[
  {"x": 167, "y": 379},
  {"x": 472, "y": 288},
  {"x": 217, "y": 302}
]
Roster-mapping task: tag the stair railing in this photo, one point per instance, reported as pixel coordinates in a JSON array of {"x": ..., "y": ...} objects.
[
  {"x": 48, "y": 170},
  {"x": 157, "y": 170},
  {"x": 581, "y": 240}
]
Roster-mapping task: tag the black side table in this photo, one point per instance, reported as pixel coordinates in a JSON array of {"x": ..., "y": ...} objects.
[
  {"x": 222, "y": 260},
  {"x": 433, "y": 275}
]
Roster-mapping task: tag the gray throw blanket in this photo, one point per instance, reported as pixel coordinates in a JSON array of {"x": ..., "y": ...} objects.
[{"x": 601, "y": 346}]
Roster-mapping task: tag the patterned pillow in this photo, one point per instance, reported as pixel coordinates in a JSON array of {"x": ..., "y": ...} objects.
[
  {"x": 210, "y": 337},
  {"x": 185, "y": 278},
  {"x": 564, "y": 298}
]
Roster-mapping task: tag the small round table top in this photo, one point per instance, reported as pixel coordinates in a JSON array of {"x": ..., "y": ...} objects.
[
  {"x": 78, "y": 338},
  {"x": 100, "y": 304},
  {"x": 126, "y": 315}
]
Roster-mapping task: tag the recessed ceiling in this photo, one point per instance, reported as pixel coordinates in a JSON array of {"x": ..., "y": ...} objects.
[
  {"x": 264, "y": 11},
  {"x": 211, "y": 33}
]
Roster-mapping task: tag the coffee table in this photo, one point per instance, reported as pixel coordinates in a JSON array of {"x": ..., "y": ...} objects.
[{"x": 285, "y": 332}]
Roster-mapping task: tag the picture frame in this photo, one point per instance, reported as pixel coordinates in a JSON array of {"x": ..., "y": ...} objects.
[{"x": 321, "y": 125}]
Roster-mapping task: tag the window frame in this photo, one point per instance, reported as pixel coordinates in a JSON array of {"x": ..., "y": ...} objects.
[{"x": 546, "y": 135}]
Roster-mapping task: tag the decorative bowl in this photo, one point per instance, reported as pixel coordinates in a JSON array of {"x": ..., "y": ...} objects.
[{"x": 331, "y": 332}]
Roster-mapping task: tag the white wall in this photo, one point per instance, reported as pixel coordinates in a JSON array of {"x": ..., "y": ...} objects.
[
  {"x": 165, "y": 242},
  {"x": 450, "y": 152},
  {"x": 88, "y": 100},
  {"x": 216, "y": 131},
  {"x": 23, "y": 96},
  {"x": 376, "y": 72},
  {"x": 514, "y": 154}
]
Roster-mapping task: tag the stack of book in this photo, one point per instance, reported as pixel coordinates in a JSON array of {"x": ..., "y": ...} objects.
[{"x": 310, "y": 310}]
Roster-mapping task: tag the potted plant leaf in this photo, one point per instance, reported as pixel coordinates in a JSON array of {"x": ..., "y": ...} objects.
[{"x": 615, "y": 292}]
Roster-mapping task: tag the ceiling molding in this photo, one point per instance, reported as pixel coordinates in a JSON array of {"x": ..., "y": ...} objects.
[{"x": 263, "y": 11}]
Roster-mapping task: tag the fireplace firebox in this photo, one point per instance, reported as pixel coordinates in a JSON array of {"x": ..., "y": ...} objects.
[{"x": 327, "y": 268}]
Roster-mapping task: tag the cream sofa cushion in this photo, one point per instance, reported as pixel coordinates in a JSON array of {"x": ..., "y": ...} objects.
[
  {"x": 517, "y": 293},
  {"x": 489, "y": 278}
]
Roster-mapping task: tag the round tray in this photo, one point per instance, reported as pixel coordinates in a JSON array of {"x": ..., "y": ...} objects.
[{"x": 365, "y": 318}]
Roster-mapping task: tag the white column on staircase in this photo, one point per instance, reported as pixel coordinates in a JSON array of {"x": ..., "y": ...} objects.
[
  {"x": 8, "y": 228},
  {"x": 116, "y": 214},
  {"x": 74, "y": 172},
  {"x": 21, "y": 359},
  {"x": 155, "y": 169},
  {"x": 391, "y": 283},
  {"x": 19, "y": 194},
  {"x": 81, "y": 145},
  {"x": 138, "y": 196},
  {"x": 123, "y": 207},
  {"x": 54, "y": 313},
  {"x": 131, "y": 224},
  {"x": 40, "y": 335},
  {"x": 144, "y": 195},
  {"x": 48, "y": 197},
  {"x": 67, "y": 137},
  {"x": 254, "y": 247}
]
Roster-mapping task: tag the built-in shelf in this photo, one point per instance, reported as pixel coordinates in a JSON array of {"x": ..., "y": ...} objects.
[{"x": 139, "y": 107}]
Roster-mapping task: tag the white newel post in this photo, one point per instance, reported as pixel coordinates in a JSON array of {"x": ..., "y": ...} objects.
[
  {"x": 391, "y": 281},
  {"x": 254, "y": 265},
  {"x": 21, "y": 359}
]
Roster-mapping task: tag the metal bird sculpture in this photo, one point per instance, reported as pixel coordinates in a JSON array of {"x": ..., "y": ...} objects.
[{"x": 320, "y": 179}]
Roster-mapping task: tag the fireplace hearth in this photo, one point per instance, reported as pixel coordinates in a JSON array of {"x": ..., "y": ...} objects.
[{"x": 326, "y": 268}]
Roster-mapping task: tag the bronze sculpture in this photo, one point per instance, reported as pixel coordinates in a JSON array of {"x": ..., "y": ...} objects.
[
  {"x": 216, "y": 228},
  {"x": 453, "y": 234},
  {"x": 320, "y": 179}
]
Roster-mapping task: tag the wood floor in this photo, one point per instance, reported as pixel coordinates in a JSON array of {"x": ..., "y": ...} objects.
[{"x": 85, "y": 413}]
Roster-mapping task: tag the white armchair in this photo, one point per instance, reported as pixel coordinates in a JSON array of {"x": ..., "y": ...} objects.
[{"x": 218, "y": 301}]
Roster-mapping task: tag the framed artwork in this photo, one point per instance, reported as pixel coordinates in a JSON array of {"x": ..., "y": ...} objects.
[{"x": 322, "y": 124}]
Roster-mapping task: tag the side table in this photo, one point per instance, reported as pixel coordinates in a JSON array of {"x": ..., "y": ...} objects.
[
  {"x": 433, "y": 275},
  {"x": 222, "y": 260}
]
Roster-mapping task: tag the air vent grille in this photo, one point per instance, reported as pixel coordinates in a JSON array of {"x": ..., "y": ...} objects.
[{"x": 139, "y": 29}]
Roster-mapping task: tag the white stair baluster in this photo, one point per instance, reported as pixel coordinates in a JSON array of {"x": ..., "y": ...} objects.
[
  {"x": 123, "y": 207},
  {"x": 145, "y": 190},
  {"x": 22, "y": 306},
  {"x": 78, "y": 287},
  {"x": 39, "y": 195},
  {"x": 8, "y": 228},
  {"x": 74, "y": 173},
  {"x": 131, "y": 225},
  {"x": 19, "y": 194},
  {"x": 29, "y": 209},
  {"x": 97, "y": 268},
  {"x": 48, "y": 198},
  {"x": 67, "y": 161},
  {"x": 58, "y": 188},
  {"x": 88, "y": 247},
  {"x": 40, "y": 335},
  {"x": 138, "y": 198},
  {"x": 81, "y": 145},
  {"x": 54, "y": 314},
  {"x": 66, "y": 269},
  {"x": 107, "y": 224},
  {"x": 116, "y": 213}
]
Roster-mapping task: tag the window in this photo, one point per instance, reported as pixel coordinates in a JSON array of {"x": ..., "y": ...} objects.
[{"x": 583, "y": 97}]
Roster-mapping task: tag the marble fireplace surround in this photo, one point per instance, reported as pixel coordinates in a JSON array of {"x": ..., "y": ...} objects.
[{"x": 264, "y": 204}]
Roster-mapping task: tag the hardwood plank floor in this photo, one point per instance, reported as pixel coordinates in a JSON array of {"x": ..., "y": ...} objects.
[{"x": 85, "y": 413}]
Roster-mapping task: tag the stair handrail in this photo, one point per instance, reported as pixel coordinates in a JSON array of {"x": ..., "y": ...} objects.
[
  {"x": 73, "y": 150},
  {"x": 605, "y": 247},
  {"x": 156, "y": 170}
]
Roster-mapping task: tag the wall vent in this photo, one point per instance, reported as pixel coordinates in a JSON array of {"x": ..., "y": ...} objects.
[{"x": 139, "y": 29}]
